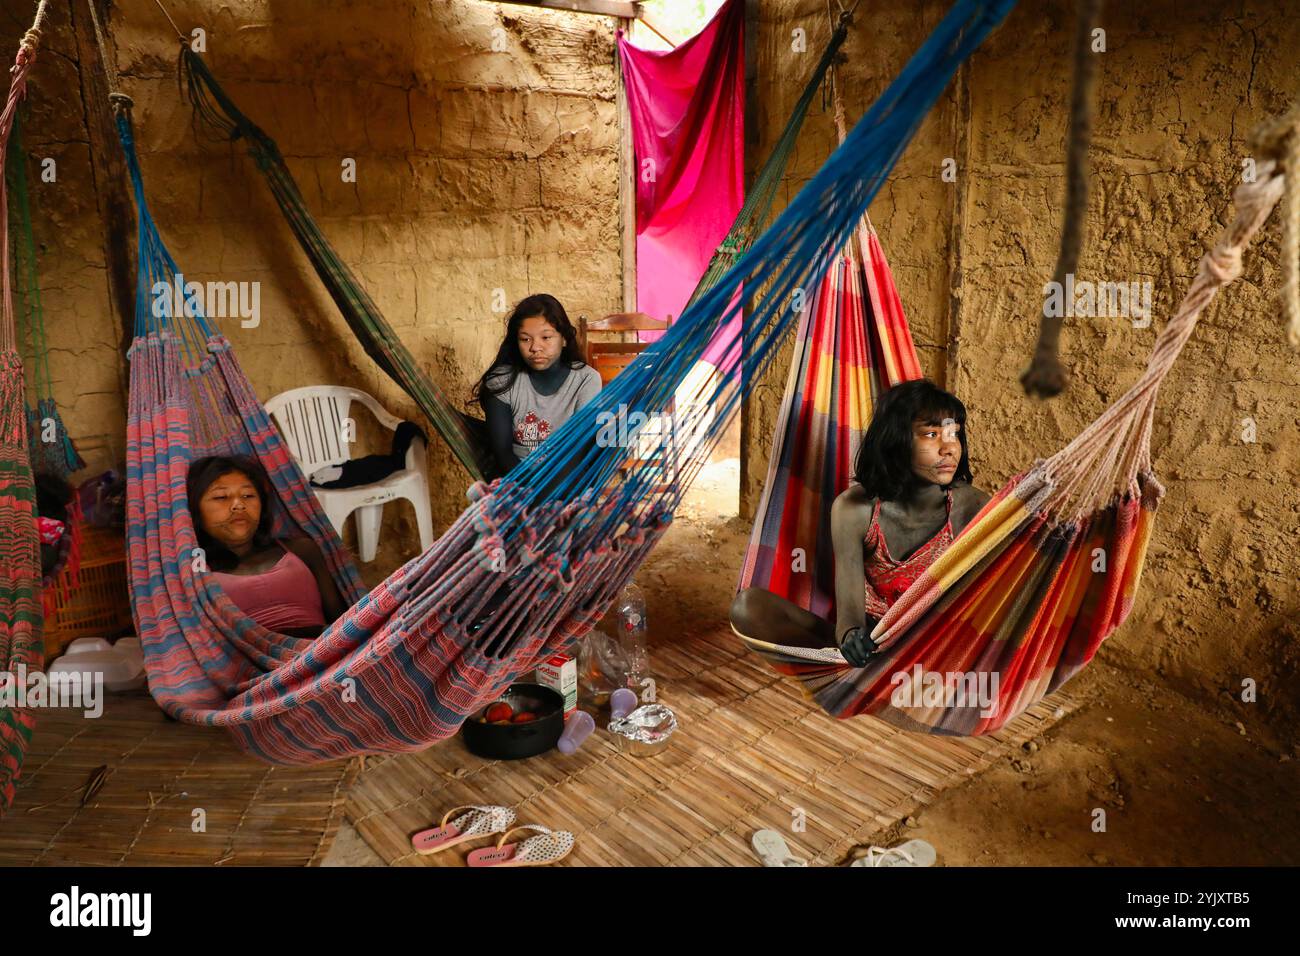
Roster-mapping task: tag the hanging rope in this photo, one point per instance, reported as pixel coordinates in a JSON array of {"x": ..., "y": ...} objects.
[
  {"x": 1104, "y": 457},
  {"x": 119, "y": 100},
  {"x": 59, "y": 456},
  {"x": 31, "y": 41},
  {"x": 1045, "y": 375}
]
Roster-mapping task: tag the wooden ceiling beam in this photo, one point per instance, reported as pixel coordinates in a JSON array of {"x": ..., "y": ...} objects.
[{"x": 604, "y": 8}]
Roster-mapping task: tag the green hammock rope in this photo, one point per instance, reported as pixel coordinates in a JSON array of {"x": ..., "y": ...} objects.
[
  {"x": 59, "y": 456},
  {"x": 461, "y": 432}
]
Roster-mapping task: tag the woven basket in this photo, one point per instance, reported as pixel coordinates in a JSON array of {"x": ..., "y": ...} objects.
[{"x": 100, "y": 604}]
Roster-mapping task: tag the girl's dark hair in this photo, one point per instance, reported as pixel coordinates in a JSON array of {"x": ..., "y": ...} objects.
[
  {"x": 884, "y": 464},
  {"x": 203, "y": 472},
  {"x": 508, "y": 355}
]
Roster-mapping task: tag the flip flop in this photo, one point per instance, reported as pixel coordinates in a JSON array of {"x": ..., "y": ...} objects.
[
  {"x": 473, "y": 823},
  {"x": 550, "y": 846},
  {"x": 772, "y": 850},
  {"x": 911, "y": 853}
]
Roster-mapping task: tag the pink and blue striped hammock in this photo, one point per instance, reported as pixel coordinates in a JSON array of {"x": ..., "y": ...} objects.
[{"x": 536, "y": 558}]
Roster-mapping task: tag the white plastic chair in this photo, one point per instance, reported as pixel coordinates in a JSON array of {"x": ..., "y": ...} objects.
[{"x": 312, "y": 421}]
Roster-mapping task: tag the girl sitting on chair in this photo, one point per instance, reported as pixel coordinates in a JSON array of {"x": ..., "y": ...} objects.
[
  {"x": 912, "y": 475},
  {"x": 537, "y": 381},
  {"x": 281, "y": 583}
]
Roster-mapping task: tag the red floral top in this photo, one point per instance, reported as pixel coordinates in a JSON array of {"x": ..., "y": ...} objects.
[{"x": 887, "y": 579}]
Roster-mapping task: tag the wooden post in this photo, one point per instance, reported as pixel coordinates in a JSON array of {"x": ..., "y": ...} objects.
[
  {"x": 626, "y": 183},
  {"x": 753, "y": 144},
  {"x": 108, "y": 168}
]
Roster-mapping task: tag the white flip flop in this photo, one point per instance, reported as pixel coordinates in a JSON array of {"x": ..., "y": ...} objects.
[
  {"x": 772, "y": 849},
  {"x": 549, "y": 846},
  {"x": 911, "y": 853},
  {"x": 474, "y": 822}
]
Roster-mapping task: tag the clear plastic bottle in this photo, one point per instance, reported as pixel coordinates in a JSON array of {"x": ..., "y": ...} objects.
[{"x": 632, "y": 634}]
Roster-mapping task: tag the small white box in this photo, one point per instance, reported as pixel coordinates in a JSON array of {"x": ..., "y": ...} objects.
[{"x": 560, "y": 673}]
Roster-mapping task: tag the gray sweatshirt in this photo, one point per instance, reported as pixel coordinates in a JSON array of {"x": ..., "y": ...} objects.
[{"x": 537, "y": 416}]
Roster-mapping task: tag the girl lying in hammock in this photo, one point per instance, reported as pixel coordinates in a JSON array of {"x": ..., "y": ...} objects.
[
  {"x": 537, "y": 381},
  {"x": 281, "y": 583},
  {"x": 912, "y": 475}
]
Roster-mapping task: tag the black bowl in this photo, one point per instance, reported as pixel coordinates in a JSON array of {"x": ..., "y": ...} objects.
[{"x": 517, "y": 741}]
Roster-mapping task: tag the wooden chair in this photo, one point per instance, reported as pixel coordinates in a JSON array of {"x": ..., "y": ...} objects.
[{"x": 611, "y": 357}]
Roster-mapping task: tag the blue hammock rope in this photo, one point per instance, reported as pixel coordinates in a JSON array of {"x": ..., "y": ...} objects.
[
  {"x": 537, "y": 558},
  {"x": 793, "y": 254}
]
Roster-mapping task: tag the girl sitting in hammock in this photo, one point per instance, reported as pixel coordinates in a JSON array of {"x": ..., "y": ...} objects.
[
  {"x": 281, "y": 583},
  {"x": 912, "y": 475},
  {"x": 537, "y": 381}
]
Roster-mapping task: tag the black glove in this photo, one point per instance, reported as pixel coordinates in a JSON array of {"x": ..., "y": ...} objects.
[{"x": 858, "y": 649}]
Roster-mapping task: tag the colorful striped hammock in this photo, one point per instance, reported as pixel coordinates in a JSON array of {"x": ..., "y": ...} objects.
[
  {"x": 536, "y": 559},
  {"x": 21, "y": 647},
  {"x": 852, "y": 344},
  {"x": 1046, "y": 571}
]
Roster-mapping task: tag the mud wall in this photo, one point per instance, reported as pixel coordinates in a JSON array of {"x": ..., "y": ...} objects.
[
  {"x": 1180, "y": 87},
  {"x": 485, "y": 145}
]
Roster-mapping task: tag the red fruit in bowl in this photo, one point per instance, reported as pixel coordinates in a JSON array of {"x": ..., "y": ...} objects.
[
  {"x": 499, "y": 712},
  {"x": 523, "y": 718}
]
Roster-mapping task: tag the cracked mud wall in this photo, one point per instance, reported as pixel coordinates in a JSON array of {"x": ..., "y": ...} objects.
[
  {"x": 478, "y": 169},
  {"x": 1180, "y": 87},
  {"x": 482, "y": 170}
]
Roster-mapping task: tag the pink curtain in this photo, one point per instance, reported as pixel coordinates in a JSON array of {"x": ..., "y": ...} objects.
[{"x": 687, "y": 108}]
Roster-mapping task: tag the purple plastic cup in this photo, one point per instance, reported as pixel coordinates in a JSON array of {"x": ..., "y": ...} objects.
[
  {"x": 621, "y": 703},
  {"x": 576, "y": 730}
]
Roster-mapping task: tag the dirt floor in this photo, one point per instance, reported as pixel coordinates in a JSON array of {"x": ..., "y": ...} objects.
[{"x": 1180, "y": 782}]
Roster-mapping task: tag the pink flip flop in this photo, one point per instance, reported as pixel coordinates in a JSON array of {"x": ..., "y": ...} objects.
[
  {"x": 550, "y": 846},
  {"x": 473, "y": 823}
]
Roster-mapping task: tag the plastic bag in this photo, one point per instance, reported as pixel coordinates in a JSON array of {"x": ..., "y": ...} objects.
[{"x": 602, "y": 666}]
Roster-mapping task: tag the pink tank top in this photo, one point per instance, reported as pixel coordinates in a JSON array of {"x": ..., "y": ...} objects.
[
  {"x": 887, "y": 579},
  {"x": 283, "y": 597}
]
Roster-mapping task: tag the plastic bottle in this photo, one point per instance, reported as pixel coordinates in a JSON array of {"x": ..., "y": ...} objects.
[{"x": 632, "y": 634}]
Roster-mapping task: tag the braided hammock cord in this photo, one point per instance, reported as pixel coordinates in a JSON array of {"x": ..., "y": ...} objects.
[{"x": 1106, "y": 457}]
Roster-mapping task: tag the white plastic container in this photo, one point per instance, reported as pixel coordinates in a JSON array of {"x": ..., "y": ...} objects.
[{"x": 120, "y": 664}]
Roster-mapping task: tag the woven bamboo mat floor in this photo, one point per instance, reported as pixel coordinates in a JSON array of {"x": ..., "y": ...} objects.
[
  {"x": 750, "y": 753},
  {"x": 159, "y": 774}
]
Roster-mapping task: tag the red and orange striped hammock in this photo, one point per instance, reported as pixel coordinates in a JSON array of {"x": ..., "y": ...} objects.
[{"x": 1046, "y": 571}]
